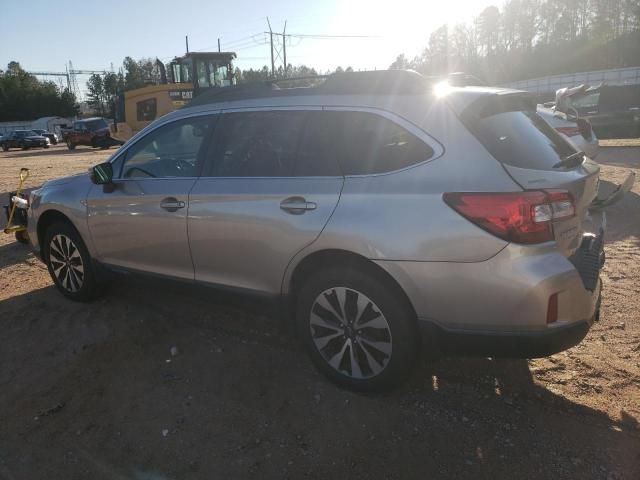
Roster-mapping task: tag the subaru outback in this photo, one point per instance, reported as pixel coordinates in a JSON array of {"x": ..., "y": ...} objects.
[{"x": 383, "y": 216}]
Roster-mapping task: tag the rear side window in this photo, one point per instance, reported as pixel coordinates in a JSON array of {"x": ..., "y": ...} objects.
[
  {"x": 366, "y": 143},
  {"x": 257, "y": 144},
  {"x": 279, "y": 143},
  {"x": 521, "y": 139}
]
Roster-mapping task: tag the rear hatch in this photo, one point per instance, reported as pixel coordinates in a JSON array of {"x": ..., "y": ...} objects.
[{"x": 535, "y": 156}]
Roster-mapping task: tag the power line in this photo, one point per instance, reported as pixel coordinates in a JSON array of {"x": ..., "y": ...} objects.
[{"x": 318, "y": 36}]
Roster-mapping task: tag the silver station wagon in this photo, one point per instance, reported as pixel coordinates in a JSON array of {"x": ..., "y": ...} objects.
[{"x": 382, "y": 215}]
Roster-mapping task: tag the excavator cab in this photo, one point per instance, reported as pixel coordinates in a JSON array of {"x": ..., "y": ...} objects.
[
  {"x": 187, "y": 77},
  {"x": 203, "y": 70}
]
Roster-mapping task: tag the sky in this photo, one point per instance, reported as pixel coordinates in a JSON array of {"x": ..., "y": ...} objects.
[{"x": 96, "y": 34}]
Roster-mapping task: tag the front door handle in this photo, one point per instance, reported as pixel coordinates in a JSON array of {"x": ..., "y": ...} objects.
[
  {"x": 171, "y": 204},
  {"x": 297, "y": 205}
]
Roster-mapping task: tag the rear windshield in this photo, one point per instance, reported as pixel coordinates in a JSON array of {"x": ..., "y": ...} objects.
[
  {"x": 521, "y": 138},
  {"x": 93, "y": 125}
]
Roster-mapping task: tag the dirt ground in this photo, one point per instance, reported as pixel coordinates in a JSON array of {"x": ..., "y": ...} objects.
[{"x": 92, "y": 390}]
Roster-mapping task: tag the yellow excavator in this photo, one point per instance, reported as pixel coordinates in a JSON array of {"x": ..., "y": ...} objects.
[{"x": 188, "y": 76}]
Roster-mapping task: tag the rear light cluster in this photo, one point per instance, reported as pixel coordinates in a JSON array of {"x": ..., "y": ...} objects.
[
  {"x": 583, "y": 127},
  {"x": 569, "y": 131},
  {"x": 519, "y": 217}
]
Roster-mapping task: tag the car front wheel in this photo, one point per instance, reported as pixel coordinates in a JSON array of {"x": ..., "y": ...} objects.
[
  {"x": 357, "y": 330},
  {"x": 69, "y": 263},
  {"x": 70, "y": 145}
]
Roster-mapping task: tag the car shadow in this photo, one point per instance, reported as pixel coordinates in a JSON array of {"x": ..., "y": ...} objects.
[
  {"x": 622, "y": 217},
  {"x": 237, "y": 396},
  {"x": 13, "y": 253}
]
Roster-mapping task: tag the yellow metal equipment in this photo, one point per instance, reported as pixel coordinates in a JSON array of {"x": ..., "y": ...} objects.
[{"x": 20, "y": 230}]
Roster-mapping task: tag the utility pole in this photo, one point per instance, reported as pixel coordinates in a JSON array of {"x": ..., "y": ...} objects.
[
  {"x": 218, "y": 44},
  {"x": 273, "y": 65},
  {"x": 284, "y": 47},
  {"x": 186, "y": 41}
]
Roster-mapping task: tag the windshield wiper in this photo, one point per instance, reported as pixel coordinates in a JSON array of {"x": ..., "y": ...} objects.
[{"x": 571, "y": 161}]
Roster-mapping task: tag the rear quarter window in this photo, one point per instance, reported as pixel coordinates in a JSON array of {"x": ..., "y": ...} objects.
[
  {"x": 521, "y": 138},
  {"x": 366, "y": 143}
]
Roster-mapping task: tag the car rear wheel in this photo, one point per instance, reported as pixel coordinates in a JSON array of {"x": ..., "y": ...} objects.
[
  {"x": 70, "y": 145},
  {"x": 69, "y": 263},
  {"x": 5, "y": 147},
  {"x": 357, "y": 331}
]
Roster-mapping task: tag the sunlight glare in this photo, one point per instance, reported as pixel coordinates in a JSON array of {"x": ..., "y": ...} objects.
[{"x": 442, "y": 89}]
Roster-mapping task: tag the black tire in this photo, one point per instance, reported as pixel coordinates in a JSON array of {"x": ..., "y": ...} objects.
[
  {"x": 5, "y": 147},
  {"x": 70, "y": 145},
  {"x": 22, "y": 236},
  {"x": 46, "y": 146},
  {"x": 384, "y": 306},
  {"x": 65, "y": 275}
]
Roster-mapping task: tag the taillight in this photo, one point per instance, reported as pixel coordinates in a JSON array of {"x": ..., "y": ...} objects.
[
  {"x": 569, "y": 131},
  {"x": 519, "y": 217},
  {"x": 584, "y": 126}
]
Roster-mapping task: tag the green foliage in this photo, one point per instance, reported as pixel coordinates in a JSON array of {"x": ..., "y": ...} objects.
[
  {"x": 102, "y": 91},
  {"x": 263, "y": 74},
  {"x": 535, "y": 38},
  {"x": 138, "y": 73},
  {"x": 24, "y": 97}
]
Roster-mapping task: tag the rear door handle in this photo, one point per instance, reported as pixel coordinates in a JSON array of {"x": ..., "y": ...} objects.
[
  {"x": 297, "y": 205},
  {"x": 171, "y": 204}
]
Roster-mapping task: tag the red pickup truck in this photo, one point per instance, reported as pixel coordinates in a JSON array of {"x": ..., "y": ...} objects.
[{"x": 93, "y": 132}]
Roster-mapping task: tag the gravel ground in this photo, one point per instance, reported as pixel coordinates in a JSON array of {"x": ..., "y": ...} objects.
[{"x": 93, "y": 390}]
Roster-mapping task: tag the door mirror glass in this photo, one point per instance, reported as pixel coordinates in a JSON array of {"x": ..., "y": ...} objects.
[{"x": 102, "y": 174}]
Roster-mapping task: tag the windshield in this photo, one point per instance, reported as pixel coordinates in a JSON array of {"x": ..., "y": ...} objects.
[
  {"x": 212, "y": 74},
  {"x": 25, "y": 133}
]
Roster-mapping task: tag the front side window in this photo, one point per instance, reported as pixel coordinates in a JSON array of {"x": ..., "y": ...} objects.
[
  {"x": 367, "y": 143},
  {"x": 172, "y": 150},
  {"x": 257, "y": 144}
]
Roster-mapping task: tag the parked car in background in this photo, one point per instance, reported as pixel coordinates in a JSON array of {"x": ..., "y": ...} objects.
[
  {"x": 613, "y": 110},
  {"x": 375, "y": 212},
  {"x": 93, "y": 132},
  {"x": 53, "y": 138},
  {"x": 24, "y": 139},
  {"x": 577, "y": 130}
]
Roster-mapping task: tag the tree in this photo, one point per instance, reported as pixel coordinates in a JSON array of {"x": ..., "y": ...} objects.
[
  {"x": 400, "y": 63},
  {"x": 133, "y": 74},
  {"x": 534, "y": 38},
  {"x": 24, "y": 97},
  {"x": 102, "y": 91},
  {"x": 96, "y": 94}
]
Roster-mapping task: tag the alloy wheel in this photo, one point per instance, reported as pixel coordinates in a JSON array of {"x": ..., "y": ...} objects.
[
  {"x": 66, "y": 263},
  {"x": 350, "y": 332}
]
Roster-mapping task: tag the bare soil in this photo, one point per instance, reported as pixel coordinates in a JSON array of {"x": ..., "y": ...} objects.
[{"x": 92, "y": 390}]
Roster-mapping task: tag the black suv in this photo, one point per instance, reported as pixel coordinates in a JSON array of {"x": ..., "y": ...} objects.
[{"x": 24, "y": 139}]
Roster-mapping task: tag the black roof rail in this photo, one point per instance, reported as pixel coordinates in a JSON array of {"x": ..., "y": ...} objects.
[{"x": 378, "y": 82}]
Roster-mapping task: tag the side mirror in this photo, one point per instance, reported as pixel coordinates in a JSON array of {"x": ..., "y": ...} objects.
[{"x": 102, "y": 174}]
